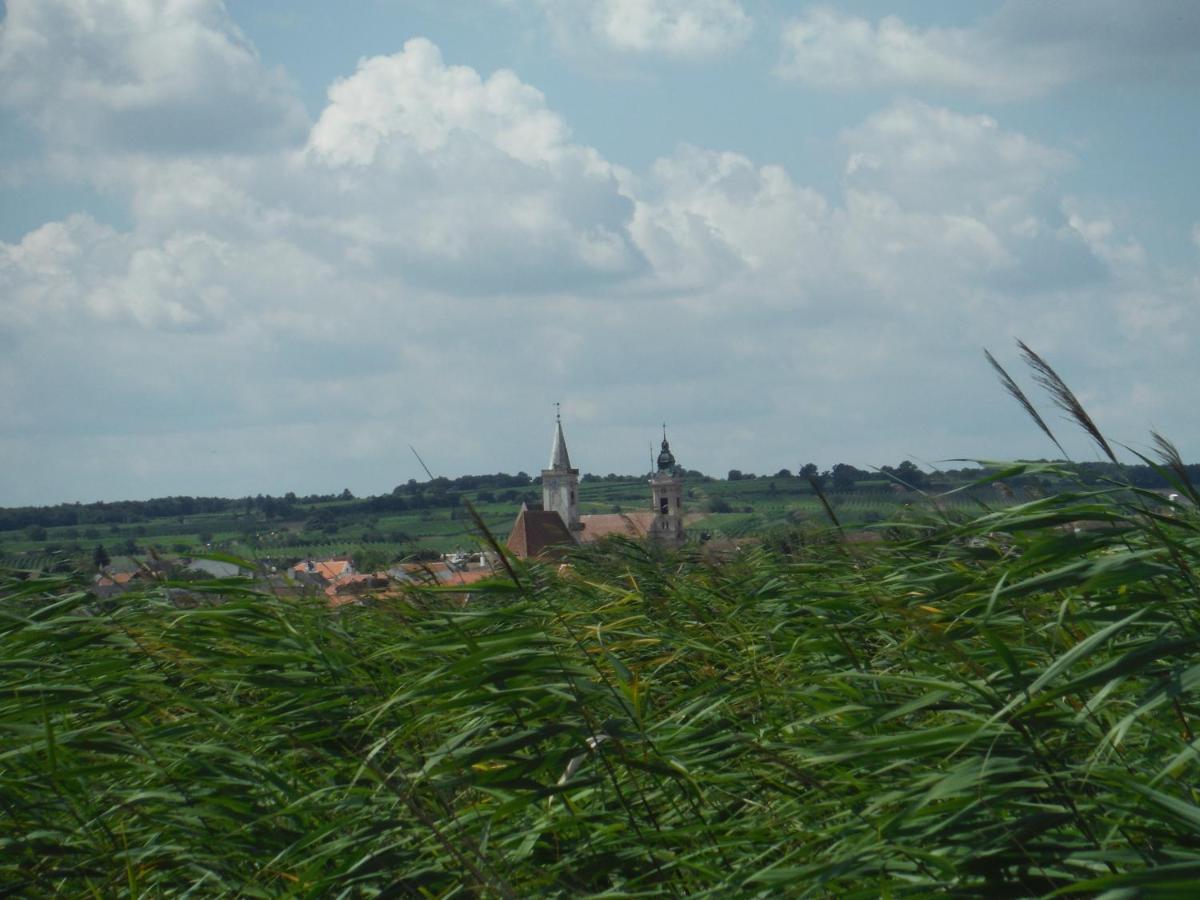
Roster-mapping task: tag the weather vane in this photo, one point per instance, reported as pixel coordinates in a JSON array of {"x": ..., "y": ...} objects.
[{"x": 557, "y": 412}]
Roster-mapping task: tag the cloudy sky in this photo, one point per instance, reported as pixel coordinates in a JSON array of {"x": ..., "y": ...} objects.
[{"x": 265, "y": 245}]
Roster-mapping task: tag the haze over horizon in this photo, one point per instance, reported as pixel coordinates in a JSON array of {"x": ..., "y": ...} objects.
[{"x": 263, "y": 246}]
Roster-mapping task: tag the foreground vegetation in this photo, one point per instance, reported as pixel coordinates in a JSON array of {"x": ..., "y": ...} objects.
[
  {"x": 996, "y": 704},
  {"x": 1004, "y": 705}
]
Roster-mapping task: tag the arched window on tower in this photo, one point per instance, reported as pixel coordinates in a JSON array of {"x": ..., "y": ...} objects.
[{"x": 664, "y": 505}]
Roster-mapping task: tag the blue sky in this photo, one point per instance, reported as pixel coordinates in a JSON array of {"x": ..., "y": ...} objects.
[{"x": 264, "y": 246}]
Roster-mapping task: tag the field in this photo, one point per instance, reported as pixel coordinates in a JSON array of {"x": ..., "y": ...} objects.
[
  {"x": 747, "y": 507},
  {"x": 1003, "y": 703}
]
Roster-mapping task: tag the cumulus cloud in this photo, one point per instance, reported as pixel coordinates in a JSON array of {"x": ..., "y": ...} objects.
[
  {"x": 1022, "y": 50},
  {"x": 437, "y": 255},
  {"x": 680, "y": 29},
  {"x": 160, "y": 78},
  {"x": 931, "y": 197},
  {"x": 466, "y": 178},
  {"x": 415, "y": 98}
]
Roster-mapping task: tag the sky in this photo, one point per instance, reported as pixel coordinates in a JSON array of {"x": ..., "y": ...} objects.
[{"x": 268, "y": 245}]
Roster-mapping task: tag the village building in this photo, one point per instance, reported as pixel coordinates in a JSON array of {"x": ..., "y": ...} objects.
[{"x": 547, "y": 532}]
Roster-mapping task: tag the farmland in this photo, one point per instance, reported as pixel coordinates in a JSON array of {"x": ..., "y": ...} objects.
[
  {"x": 329, "y": 526},
  {"x": 431, "y": 517}
]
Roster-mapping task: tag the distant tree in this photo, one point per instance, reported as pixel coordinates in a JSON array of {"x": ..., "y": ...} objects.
[
  {"x": 844, "y": 477},
  {"x": 783, "y": 473},
  {"x": 808, "y": 470},
  {"x": 35, "y": 533},
  {"x": 719, "y": 505},
  {"x": 734, "y": 475},
  {"x": 345, "y": 494},
  {"x": 909, "y": 473},
  {"x": 371, "y": 559},
  {"x": 100, "y": 557}
]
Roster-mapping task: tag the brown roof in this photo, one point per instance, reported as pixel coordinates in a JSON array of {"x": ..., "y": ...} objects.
[
  {"x": 469, "y": 577},
  {"x": 538, "y": 532},
  {"x": 329, "y": 569},
  {"x": 635, "y": 525}
]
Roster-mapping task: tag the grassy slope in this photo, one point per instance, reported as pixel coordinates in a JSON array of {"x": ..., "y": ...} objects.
[
  {"x": 770, "y": 501},
  {"x": 1000, "y": 706}
]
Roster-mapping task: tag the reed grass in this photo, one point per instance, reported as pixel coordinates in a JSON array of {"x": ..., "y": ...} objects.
[{"x": 1002, "y": 704}]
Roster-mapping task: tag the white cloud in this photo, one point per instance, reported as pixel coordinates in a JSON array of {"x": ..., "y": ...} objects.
[
  {"x": 464, "y": 179},
  {"x": 1024, "y": 49},
  {"x": 681, "y": 29},
  {"x": 932, "y": 198},
  {"x": 144, "y": 77},
  {"x": 928, "y": 156},
  {"x": 440, "y": 256},
  {"x": 415, "y": 100}
]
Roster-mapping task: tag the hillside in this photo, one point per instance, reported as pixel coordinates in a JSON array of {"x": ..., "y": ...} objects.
[{"x": 426, "y": 518}]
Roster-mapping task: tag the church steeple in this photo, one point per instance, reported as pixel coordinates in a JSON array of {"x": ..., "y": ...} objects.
[
  {"x": 666, "y": 459},
  {"x": 560, "y": 483},
  {"x": 666, "y": 490},
  {"x": 559, "y": 460}
]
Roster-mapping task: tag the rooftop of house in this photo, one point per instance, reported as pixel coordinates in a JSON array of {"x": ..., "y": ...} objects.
[
  {"x": 329, "y": 569},
  {"x": 538, "y": 532},
  {"x": 634, "y": 525}
]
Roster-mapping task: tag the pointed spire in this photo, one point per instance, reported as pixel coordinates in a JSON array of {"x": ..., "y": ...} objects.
[{"x": 558, "y": 453}]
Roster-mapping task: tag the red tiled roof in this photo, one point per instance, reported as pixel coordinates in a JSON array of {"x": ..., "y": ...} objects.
[
  {"x": 329, "y": 569},
  {"x": 469, "y": 577},
  {"x": 116, "y": 578},
  {"x": 539, "y": 533},
  {"x": 634, "y": 525}
]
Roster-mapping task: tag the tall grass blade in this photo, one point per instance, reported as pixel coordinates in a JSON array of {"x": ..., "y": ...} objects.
[
  {"x": 1017, "y": 394},
  {"x": 1064, "y": 398}
]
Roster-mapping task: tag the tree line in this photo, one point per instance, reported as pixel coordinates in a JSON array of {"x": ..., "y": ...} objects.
[{"x": 442, "y": 492}]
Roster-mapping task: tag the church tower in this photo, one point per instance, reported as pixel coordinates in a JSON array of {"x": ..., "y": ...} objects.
[
  {"x": 666, "y": 488},
  {"x": 560, "y": 483}
]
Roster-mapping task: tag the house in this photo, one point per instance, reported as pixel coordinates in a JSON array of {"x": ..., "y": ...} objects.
[{"x": 326, "y": 570}]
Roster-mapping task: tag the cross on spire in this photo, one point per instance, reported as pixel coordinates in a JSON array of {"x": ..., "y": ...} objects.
[{"x": 557, "y": 411}]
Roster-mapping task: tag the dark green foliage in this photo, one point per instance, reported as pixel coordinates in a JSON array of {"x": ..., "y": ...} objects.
[{"x": 1005, "y": 706}]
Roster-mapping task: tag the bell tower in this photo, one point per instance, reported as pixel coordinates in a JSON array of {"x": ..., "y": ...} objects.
[
  {"x": 560, "y": 483},
  {"x": 666, "y": 491}
]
